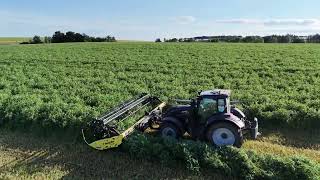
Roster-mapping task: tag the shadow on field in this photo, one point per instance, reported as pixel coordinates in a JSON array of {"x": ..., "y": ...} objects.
[
  {"x": 76, "y": 161},
  {"x": 27, "y": 162}
]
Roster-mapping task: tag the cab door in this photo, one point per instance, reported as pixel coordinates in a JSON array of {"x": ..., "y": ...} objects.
[{"x": 207, "y": 106}]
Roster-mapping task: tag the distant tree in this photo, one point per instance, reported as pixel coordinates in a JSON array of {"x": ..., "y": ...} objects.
[
  {"x": 172, "y": 40},
  {"x": 78, "y": 37},
  {"x": 58, "y": 37},
  {"x": 86, "y": 38},
  {"x": 214, "y": 40},
  {"x": 270, "y": 39},
  {"x": 280, "y": 38},
  {"x": 314, "y": 39},
  {"x": 47, "y": 39},
  {"x": 247, "y": 39},
  {"x": 285, "y": 39},
  {"x": 99, "y": 39},
  {"x": 158, "y": 40},
  {"x": 259, "y": 39},
  {"x": 36, "y": 40},
  {"x": 70, "y": 37},
  {"x": 235, "y": 39},
  {"x": 289, "y": 38},
  {"x": 113, "y": 39},
  {"x": 108, "y": 38},
  {"x": 297, "y": 39},
  {"x": 253, "y": 39}
]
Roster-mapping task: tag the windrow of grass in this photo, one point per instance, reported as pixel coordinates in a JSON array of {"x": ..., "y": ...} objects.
[
  {"x": 26, "y": 156},
  {"x": 227, "y": 161}
]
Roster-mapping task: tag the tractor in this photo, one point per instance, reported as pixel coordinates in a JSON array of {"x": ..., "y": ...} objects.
[{"x": 208, "y": 117}]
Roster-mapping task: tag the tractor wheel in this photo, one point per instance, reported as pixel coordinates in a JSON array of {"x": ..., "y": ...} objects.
[
  {"x": 222, "y": 134},
  {"x": 169, "y": 130}
]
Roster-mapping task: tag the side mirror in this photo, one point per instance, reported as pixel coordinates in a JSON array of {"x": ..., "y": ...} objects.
[{"x": 199, "y": 92}]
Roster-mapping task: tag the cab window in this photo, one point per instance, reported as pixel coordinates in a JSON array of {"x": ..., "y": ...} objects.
[
  {"x": 221, "y": 105},
  {"x": 207, "y": 107}
]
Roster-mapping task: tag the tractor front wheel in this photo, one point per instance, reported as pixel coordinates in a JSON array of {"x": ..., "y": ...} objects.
[
  {"x": 169, "y": 130},
  {"x": 223, "y": 134}
]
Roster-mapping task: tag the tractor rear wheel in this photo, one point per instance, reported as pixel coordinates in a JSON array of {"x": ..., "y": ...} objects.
[
  {"x": 169, "y": 130},
  {"x": 223, "y": 134}
]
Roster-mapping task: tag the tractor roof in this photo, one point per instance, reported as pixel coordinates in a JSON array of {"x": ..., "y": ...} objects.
[{"x": 216, "y": 92}]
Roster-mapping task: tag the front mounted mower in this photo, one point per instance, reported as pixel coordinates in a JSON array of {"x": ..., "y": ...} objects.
[{"x": 209, "y": 117}]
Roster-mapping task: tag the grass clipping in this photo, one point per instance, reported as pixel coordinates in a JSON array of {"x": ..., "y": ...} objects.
[{"x": 228, "y": 161}]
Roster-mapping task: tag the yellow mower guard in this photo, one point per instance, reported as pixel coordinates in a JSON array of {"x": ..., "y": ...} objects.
[{"x": 106, "y": 143}]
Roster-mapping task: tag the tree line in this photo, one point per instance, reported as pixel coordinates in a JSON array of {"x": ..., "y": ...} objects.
[
  {"x": 60, "y": 37},
  {"x": 289, "y": 38}
]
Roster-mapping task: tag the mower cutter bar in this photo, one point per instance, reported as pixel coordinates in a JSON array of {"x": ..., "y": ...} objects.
[
  {"x": 101, "y": 134},
  {"x": 125, "y": 107}
]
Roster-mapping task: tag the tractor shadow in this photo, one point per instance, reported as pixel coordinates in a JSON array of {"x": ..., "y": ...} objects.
[{"x": 77, "y": 161}]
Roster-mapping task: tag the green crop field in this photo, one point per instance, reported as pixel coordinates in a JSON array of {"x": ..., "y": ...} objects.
[
  {"x": 64, "y": 85},
  {"x": 56, "y": 88}
]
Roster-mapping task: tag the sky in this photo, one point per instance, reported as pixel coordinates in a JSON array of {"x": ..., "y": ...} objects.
[{"x": 148, "y": 20}]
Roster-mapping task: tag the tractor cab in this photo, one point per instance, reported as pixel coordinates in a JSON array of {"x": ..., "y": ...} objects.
[{"x": 212, "y": 102}]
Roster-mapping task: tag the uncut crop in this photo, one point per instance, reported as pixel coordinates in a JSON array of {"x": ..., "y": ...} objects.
[{"x": 61, "y": 86}]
